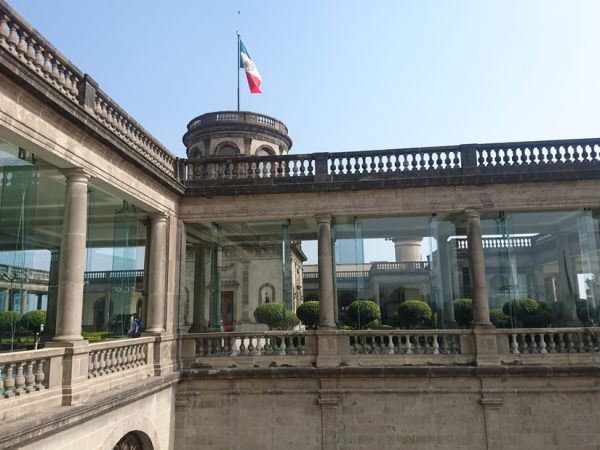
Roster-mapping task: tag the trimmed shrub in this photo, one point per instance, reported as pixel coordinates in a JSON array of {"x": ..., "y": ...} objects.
[
  {"x": 308, "y": 313},
  {"x": 414, "y": 314},
  {"x": 521, "y": 308},
  {"x": 33, "y": 320},
  {"x": 540, "y": 319},
  {"x": 463, "y": 311},
  {"x": 290, "y": 322},
  {"x": 271, "y": 314},
  {"x": 361, "y": 312},
  {"x": 499, "y": 319},
  {"x": 380, "y": 327},
  {"x": 347, "y": 327},
  {"x": 9, "y": 320}
]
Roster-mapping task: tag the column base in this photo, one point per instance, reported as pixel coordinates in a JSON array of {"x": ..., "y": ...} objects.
[
  {"x": 327, "y": 348},
  {"x": 75, "y": 383},
  {"x": 486, "y": 346}
]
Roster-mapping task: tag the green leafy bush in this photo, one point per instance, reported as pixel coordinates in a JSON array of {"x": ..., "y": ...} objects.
[
  {"x": 414, "y": 314},
  {"x": 463, "y": 312},
  {"x": 289, "y": 322},
  {"x": 361, "y": 312},
  {"x": 499, "y": 319},
  {"x": 540, "y": 319},
  {"x": 308, "y": 313},
  {"x": 33, "y": 320},
  {"x": 271, "y": 314},
  {"x": 347, "y": 327},
  {"x": 521, "y": 308},
  {"x": 585, "y": 312},
  {"x": 380, "y": 327},
  {"x": 9, "y": 320}
]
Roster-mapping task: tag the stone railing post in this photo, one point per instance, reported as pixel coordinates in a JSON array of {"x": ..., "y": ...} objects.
[
  {"x": 486, "y": 352},
  {"x": 87, "y": 93},
  {"x": 69, "y": 308},
  {"x": 321, "y": 169},
  {"x": 468, "y": 157},
  {"x": 200, "y": 321},
  {"x": 326, "y": 333}
]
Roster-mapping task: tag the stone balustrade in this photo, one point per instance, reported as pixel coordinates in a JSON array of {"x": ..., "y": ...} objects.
[
  {"x": 405, "y": 342},
  {"x": 548, "y": 341},
  {"x": 23, "y": 373},
  {"x": 257, "y": 343},
  {"x": 106, "y": 358},
  {"x": 33, "y": 51},
  {"x": 474, "y": 163}
]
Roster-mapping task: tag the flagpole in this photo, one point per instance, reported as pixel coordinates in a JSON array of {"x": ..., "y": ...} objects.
[{"x": 238, "y": 70}]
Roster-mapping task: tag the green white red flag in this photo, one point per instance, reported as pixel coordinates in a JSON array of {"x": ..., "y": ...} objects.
[{"x": 249, "y": 67}]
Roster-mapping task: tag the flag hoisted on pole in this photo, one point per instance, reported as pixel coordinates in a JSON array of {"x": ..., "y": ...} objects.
[{"x": 249, "y": 67}]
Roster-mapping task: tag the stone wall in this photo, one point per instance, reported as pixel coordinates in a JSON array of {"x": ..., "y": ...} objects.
[
  {"x": 151, "y": 415},
  {"x": 400, "y": 408}
]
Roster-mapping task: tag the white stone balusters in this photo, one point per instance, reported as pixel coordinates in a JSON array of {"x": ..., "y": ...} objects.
[
  {"x": 39, "y": 375},
  {"x": 20, "y": 379},
  {"x": 9, "y": 381},
  {"x": 29, "y": 377}
]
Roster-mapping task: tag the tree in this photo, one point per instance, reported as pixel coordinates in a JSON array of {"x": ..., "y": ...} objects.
[
  {"x": 361, "y": 312},
  {"x": 271, "y": 314},
  {"x": 414, "y": 314},
  {"x": 308, "y": 313},
  {"x": 463, "y": 311},
  {"x": 33, "y": 320}
]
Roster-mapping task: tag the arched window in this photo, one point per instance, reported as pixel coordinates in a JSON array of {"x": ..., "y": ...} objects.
[
  {"x": 264, "y": 151},
  {"x": 227, "y": 150}
]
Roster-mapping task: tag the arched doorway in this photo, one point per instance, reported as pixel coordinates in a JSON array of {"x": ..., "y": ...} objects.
[{"x": 134, "y": 440}]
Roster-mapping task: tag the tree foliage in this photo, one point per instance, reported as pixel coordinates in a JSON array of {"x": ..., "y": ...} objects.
[
  {"x": 361, "y": 312},
  {"x": 33, "y": 320},
  {"x": 414, "y": 314},
  {"x": 271, "y": 314},
  {"x": 463, "y": 312},
  {"x": 308, "y": 313}
]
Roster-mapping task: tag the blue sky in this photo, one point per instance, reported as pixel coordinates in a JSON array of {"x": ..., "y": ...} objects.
[{"x": 344, "y": 75}]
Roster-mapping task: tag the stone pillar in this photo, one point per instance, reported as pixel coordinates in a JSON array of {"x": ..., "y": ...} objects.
[
  {"x": 50, "y": 329},
  {"x": 69, "y": 302},
  {"x": 24, "y": 301},
  {"x": 40, "y": 299},
  {"x": 447, "y": 291},
  {"x": 481, "y": 310},
  {"x": 156, "y": 274},
  {"x": 565, "y": 281},
  {"x": 72, "y": 258},
  {"x": 486, "y": 347},
  {"x": 200, "y": 320},
  {"x": 6, "y": 299},
  {"x": 326, "y": 271}
]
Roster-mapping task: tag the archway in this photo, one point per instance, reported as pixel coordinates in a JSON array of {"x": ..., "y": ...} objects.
[{"x": 134, "y": 440}]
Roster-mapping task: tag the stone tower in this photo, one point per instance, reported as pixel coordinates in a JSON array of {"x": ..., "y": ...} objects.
[{"x": 231, "y": 133}]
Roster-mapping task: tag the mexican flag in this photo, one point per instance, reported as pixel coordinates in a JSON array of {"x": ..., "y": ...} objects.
[{"x": 252, "y": 74}]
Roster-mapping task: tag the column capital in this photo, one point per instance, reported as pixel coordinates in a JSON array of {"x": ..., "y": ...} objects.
[
  {"x": 76, "y": 174},
  {"x": 158, "y": 216},
  {"x": 323, "y": 218},
  {"x": 472, "y": 213}
]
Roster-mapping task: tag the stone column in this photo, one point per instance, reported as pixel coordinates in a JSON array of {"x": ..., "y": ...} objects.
[
  {"x": 69, "y": 308},
  {"x": 24, "y": 300},
  {"x": 6, "y": 299},
  {"x": 326, "y": 271},
  {"x": 156, "y": 274},
  {"x": 50, "y": 329},
  {"x": 40, "y": 299},
  {"x": 481, "y": 310},
  {"x": 447, "y": 291},
  {"x": 69, "y": 301},
  {"x": 199, "y": 321},
  {"x": 485, "y": 345}
]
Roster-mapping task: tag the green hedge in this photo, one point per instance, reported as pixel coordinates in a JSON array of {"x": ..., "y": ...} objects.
[
  {"x": 361, "y": 312},
  {"x": 33, "y": 320},
  {"x": 308, "y": 313},
  {"x": 414, "y": 314},
  {"x": 271, "y": 314},
  {"x": 499, "y": 319},
  {"x": 463, "y": 312}
]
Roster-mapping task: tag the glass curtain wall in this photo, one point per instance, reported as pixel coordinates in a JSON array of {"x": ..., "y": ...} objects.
[
  {"x": 234, "y": 267},
  {"x": 542, "y": 267},
  {"x": 31, "y": 205},
  {"x": 394, "y": 260},
  {"x": 114, "y": 276}
]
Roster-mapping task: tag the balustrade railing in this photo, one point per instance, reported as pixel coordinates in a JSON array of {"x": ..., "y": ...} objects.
[
  {"x": 33, "y": 51},
  {"x": 503, "y": 158},
  {"x": 400, "y": 266},
  {"x": 405, "y": 342},
  {"x": 106, "y": 358},
  {"x": 26, "y": 372},
  {"x": 500, "y": 242},
  {"x": 551, "y": 340},
  {"x": 257, "y": 343}
]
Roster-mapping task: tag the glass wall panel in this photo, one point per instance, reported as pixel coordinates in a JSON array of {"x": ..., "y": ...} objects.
[
  {"x": 548, "y": 257},
  {"x": 31, "y": 205},
  {"x": 232, "y": 268},
  {"x": 392, "y": 260},
  {"x": 114, "y": 271}
]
